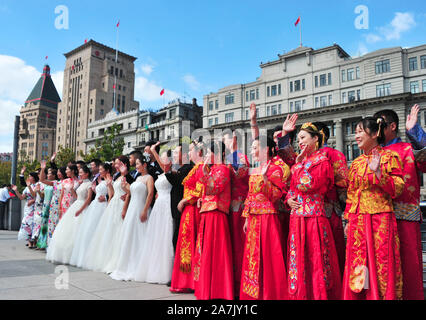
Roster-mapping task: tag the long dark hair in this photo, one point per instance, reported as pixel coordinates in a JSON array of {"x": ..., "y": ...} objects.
[
  {"x": 86, "y": 170},
  {"x": 125, "y": 160},
  {"x": 73, "y": 168},
  {"x": 267, "y": 143},
  {"x": 63, "y": 172},
  {"x": 107, "y": 167},
  {"x": 374, "y": 125}
]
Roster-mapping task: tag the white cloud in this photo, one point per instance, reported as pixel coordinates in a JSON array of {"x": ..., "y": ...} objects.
[
  {"x": 191, "y": 81},
  {"x": 17, "y": 79},
  {"x": 149, "y": 91},
  {"x": 402, "y": 22},
  {"x": 147, "y": 69}
]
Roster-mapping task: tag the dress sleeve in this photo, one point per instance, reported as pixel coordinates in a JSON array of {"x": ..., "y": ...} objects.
[
  {"x": 391, "y": 180},
  {"x": 217, "y": 180},
  {"x": 417, "y": 137}
]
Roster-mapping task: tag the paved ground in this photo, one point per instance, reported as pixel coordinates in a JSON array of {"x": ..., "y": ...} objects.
[{"x": 25, "y": 274}]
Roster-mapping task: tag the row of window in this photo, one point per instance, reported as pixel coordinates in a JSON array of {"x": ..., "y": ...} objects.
[
  {"x": 118, "y": 72},
  {"x": 412, "y": 63},
  {"x": 351, "y": 74},
  {"x": 324, "y": 80},
  {"x": 415, "y": 86},
  {"x": 351, "y": 96}
]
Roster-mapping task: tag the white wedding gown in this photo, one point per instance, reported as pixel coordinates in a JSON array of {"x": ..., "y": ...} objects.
[
  {"x": 88, "y": 225},
  {"x": 107, "y": 232},
  {"x": 155, "y": 264},
  {"x": 63, "y": 239},
  {"x": 133, "y": 233}
]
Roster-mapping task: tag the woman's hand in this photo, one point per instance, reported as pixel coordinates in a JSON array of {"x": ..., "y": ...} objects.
[
  {"x": 412, "y": 117},
  {"x": 253, "y": 112},
  {"x": 302, "y": 155},
  {"x": 245, "y": 226},
  {"x": 199, "y": 202},
  {"x": 346, "y": 230},
  {"x": 78, "y": 213},
  {"x": 181, "y": 204},
  {"x": 23, "y": 170},
  {"x": 265, "y": 171},
  {"x": 289, "y": 124},
  {"x": 154, "y": 146},
  {"x": 43, "y": 164},
  {"x": 374, "y": 163},
  {"x": 294, "y": 204},
  {"x": 144, "y": 216}
]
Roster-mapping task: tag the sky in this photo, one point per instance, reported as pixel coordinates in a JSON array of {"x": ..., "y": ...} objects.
[{"x": 190, "y": 48}]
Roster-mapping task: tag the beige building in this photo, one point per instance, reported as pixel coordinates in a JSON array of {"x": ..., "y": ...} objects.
[
  {"x": 324, "y": 85},
  {"x": 88, "y": 91},
  {"x": 38, "y": 120}
]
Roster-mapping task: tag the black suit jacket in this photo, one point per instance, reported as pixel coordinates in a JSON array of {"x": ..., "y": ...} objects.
[{"x": 175, "y": 178}]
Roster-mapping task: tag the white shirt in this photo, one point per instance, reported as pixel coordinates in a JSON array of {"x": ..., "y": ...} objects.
[{"x": 4, "y": 194}]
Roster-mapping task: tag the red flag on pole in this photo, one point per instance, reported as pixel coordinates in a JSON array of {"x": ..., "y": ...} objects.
[
  {"x": 113, "y": 86},
  {"x": 118, "y": 23},
  {"x": 47, "y": 115},
  {"x": 85, "y": 40},
  {"x": 72, "y": 67},
  {"x": 161, "y": 92},
  {"x": 297, "y": 22},
  {"x": 46, "y": 57}
]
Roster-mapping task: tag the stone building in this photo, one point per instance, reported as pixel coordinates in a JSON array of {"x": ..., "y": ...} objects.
[
  {"x": 324, "y": 85},
  {"x": 90, "y": 75},
  {"x": 38, "y": 120}
]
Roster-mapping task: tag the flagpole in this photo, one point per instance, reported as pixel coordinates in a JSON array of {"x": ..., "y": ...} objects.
[
  {"x": 115, "y": 72},
  {"x": 300, "y": 32}
]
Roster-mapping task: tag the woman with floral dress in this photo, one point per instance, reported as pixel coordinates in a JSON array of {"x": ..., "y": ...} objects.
[
  {"x": 28, "y": 194},
  {"x": 54, "y": 203},
  {"x": 68, "y": 195}
]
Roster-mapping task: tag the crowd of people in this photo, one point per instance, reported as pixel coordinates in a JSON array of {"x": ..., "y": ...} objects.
[{"x": 291, "y": 225}]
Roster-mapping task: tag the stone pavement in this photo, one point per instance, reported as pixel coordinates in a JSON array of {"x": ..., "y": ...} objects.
[{"x": 26, "y": 275}]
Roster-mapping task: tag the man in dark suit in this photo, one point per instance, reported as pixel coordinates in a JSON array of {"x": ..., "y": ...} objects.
[{"x": 132, "y": 159}]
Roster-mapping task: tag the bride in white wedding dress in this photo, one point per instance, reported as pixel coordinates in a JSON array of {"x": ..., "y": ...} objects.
[
  {"x": 62, "y": 243},
  {"x": 91, "y": 217},
  {"x": 156, "y": 260},
  {"x": 135, "y": 223}
]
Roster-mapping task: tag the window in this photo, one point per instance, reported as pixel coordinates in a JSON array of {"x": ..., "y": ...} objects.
[
  {"x": 229, "y": 98},
  {"x": 412, "y": 62},
  {"x": 210, "y": 122},
  {"x": 93, "y": 134},
  {"x": 257, "y": 93},
  {"x": 229, "y": 117},
  {"x": 279, "y": 87},
  {"x": 343, "y": 75},
  {"x": 351, "y": 73},
  {"x": 343, "y": 97},
  {"x": 423, "y": 62},
  {"x": 330, "y": 99},
  {"x": 252, "y": 95},
  {"x": 358, "y": 94},
  {"x": 129, "y": 125},
  {"x": 274, "y": 110},
  {"x": 358, "y": 73},
  {"x": 383, "y": 90},
  {"x": 101, "y": 112},
  {"x": 291, "y": 107},
  {"x": 247, "y": 114},
  {"x": 414, "y": 87},
  {"x": 210, "y": 105},
  {"x": 297, "y": 85},
  {"x": 121, "y": 73},
  {"x": 102, "y": 102},
  {"x": 382, "y": 66},
  {"x": 291, "y": 86},
  {"x": 323, "y": 80},
  {"x": 316, "y": 81},
  {"x": 351, "y": 96},
  {"x": 279, "y": 108},
  {"x": 273, "y": 90},
  {"x": 323, "y": 101},
  {"x": 216, "y": 104},
  {"x": 111, "y": 71},
  {"x": 424, "y": 85},
  {"x": 316, "y": 102},
  {"x": 247, "y": 96},
  {"x": 216, "y": 120},
  {"x": 348, "y": 152},
  {"x": 297, "y": 106},
  {"x": 268, "y": 110},
  {"x": 329, "y": 78},
  {"x": 173, "y": 113},
  {"x": 303, "y": 84},
  {"x": 355, "y": 151}
]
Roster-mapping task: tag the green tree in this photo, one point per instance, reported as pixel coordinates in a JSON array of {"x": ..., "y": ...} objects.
[
  {"x": 109, "y": 146},
  {"x": 63, "y": 156},
  {"x": 5, "y": 172}
]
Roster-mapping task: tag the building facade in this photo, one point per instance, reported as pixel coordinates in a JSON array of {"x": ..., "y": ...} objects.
[
  {"x": 178, "y": 119},
  {"x": 167, "y": 125},
  {"x": 324, "y": 85},
  {"x": 94, "y": 83},
  {"x": 128, "y": 123},
  {"x": 37, "y": 126}
]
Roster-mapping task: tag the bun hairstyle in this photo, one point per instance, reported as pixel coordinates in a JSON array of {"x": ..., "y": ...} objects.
[
  {"x": 107, "y": 167},
  {"x": 313, "y": 132},
  {"x": 389, "y": 115},
  {"x": 268, "y": 143},
  {"x": 34, "y": 175},
  {"x": 374, "y": 125},
  {"x": 63, "y": 172},
  {"x": 145, "y": 158},
  {"x": 323, "y": 129}
]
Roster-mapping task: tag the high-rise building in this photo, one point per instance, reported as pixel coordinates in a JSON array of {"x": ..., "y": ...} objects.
[
  {"x": 90, "y": 75},
  {"x": 38, "y": 120}
]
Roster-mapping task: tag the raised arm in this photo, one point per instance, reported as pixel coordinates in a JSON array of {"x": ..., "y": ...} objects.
[
  {"x": 253, "y": 122},
  {"x": 157, "y": 156},
  {"x": 18, "y": 194},
  {"x": 43, "y": 175}
]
